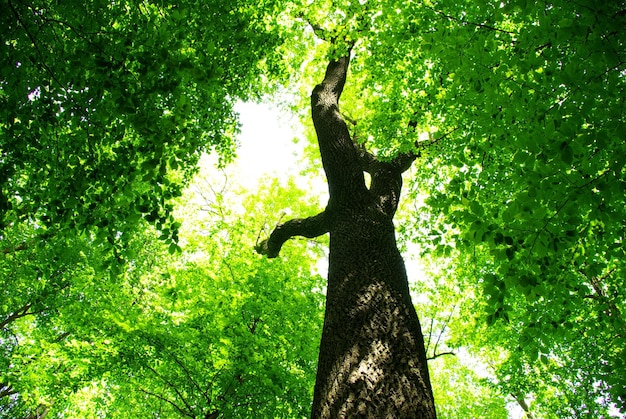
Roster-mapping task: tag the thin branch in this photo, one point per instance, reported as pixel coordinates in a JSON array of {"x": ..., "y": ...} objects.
[
  {"x": 321, "y": 33},
  {"x": 166, "y": 400},
  {"x": 61, "y": 337},
  {"x": 466, "y": 22},
  {"x": 6, "y": 390},
  {"x": 404, "y": 161},
  {"x": 443, "y": 329},
  {"x": 433, "y": 141},
  {"x": 437, "y": 355},
  {"x": 14, "y": 249},
  {"x": 17, "y": 314},
  {"x": 190, "y": 377},
  {"x": 545, "y": 225},
  {"x": 41, "y": 411},
  {"x": 230, "y": 269},
  {"x": 81, "y": 33},
  {"x": 522, "y": 403},
  {"x": 612, "y": 310},
  {"x": 213, "y": 206},
  {"x": 173, "y": 387},
  {"x": 35, "y": 44},
  {"x": 595, "y": 179}
]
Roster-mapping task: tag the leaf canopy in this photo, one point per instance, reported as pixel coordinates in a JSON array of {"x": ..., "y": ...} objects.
[
  {"x": 517, "y": 111},
  {"x": 106, "y": 107}
]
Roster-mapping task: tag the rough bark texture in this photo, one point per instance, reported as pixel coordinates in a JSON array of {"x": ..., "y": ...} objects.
[{"x": 372, "y": 362}]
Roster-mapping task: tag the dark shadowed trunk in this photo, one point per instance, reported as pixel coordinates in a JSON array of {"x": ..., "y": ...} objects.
[{"x": 372, "y": 362}]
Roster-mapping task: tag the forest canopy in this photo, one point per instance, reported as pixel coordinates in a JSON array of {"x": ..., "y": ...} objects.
[{"x": 129, "y": 284}]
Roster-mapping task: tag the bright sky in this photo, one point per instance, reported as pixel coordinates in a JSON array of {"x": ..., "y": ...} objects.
[{"x": 267, "y": 142}]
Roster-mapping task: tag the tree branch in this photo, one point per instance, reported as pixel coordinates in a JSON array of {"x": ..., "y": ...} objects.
[
  {"x": 174, "y": 387},
  {"x": 368, "y": 161},
  {"x": 330, "y": 89},
  {"x": 339, "y": 155},
  {"x": 466, "y": 22},
  {"x": 14, "y": 249},
  {"x": 333, "y": 36},
  {"x": 190, "y": 377},
  {"x": 40, "y": 412},
  {"x": 404, "y": 161},
  {"x": 522, "y": 403},
  {"x": 306, "y": 227},
  {"x": 17, "y": 314},
  {"x": 445, "y": 325},
  {"x": 6, "y": 390},
  {"x": 166, "y": 400},
  {"x": 437, "y": 355}
]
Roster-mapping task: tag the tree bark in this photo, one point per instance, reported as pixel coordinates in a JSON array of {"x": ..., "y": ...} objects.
[{"x": 372, "y": 362}]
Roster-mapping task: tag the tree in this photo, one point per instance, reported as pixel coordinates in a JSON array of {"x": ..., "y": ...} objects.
[
  {"x": 106, "y": 107},
  {"x": 213, "y": 330},
  {"x": 526, "y": 194},
  {"x": 522, "y": 105},
  {"x": 372, "y": 361}
]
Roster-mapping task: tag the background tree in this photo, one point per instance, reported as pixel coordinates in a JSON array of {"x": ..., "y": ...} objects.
[
  {"x": 213, "y": 332},
  {"x": 526, "y": 194},
  {"x": 106, "y": 107}
]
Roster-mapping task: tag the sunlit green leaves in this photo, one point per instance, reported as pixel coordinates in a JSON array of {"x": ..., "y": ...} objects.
[
  {"x": 213, "y": 328},
  {"x": 106, "y": 107},
  {"x": 530, "y": 198},
  {"x": 460, "y": 392}
]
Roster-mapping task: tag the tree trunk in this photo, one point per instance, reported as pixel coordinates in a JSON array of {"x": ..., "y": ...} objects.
[{"x": 372, "y": 362}]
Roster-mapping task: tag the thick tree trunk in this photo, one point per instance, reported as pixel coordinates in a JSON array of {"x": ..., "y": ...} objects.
[{"x": 372, "y": 362}]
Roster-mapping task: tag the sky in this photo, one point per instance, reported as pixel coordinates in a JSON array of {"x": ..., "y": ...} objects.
[{"x": 267, "y": 142}]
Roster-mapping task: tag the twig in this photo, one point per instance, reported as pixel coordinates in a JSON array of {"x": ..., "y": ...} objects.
[
  {"x": 430, "y": 358},
  {"x": 35, "y": 44},
  {"x": 178, "y": 408},
  {"x": 466, "y": 22}
]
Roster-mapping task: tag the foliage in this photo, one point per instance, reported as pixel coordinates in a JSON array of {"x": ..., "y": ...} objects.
[
  {"x": 215, "y": 330},
  {"x": 516, "y": 107},
  {"x": 106, "y": 106},
  {"x": 461, "y": 386},
  {"x": 535, "y": 193},
  {"x": 517, "y": 111},
  {"x": 461, "y": 393},
  {"x": 561, "y": 380}
]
